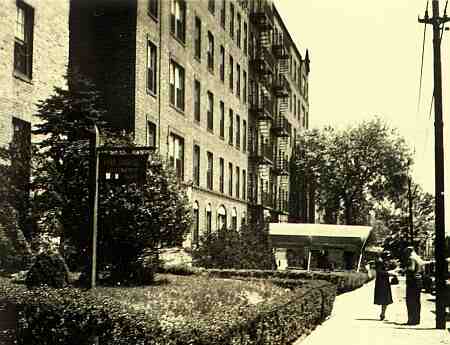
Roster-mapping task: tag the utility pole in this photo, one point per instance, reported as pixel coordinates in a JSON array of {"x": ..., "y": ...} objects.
[{"x": 441, "y": 268}]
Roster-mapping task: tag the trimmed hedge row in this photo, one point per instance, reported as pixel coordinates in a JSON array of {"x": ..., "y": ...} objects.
[
  {"x": 72, "y": 316},
  {"x": 344, "y": 281}
]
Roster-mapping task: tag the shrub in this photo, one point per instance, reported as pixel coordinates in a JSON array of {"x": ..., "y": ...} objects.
[
  {"x": 344, "y": 281},
  {"x": 247, "y": 248},
  {"x": 72, "y": 316},
  {"x": 48, "y": 269}
]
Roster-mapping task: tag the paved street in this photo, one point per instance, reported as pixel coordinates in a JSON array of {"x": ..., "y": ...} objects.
[{"x": 354, "y": 321}]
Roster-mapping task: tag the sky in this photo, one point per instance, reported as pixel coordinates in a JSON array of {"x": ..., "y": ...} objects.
[{"x": 365, "y": 62}]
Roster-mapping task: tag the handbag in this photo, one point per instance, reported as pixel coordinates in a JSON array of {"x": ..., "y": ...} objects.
[{"x": 394, "y": 280}]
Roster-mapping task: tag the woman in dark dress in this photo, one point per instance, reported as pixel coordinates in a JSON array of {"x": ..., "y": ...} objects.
[{"x": 383, "y": 294}]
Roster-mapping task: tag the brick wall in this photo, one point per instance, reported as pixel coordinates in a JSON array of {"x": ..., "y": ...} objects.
[
  {"x": 182, "y": 123},
  {"x": 18, "y": 97}
]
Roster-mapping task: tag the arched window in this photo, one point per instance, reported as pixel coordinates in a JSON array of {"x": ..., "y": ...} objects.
[
  {"x": 195, "y": 230},
  {"x": 208, "y": 219},
  {"x": 244, "y": 219},
  {"x": 234, "y": 219},
  {"x": 221, "y": 218}
]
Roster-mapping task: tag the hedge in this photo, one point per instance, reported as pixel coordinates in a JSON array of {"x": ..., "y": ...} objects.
[
  {"x": 344, "y": 281},
  {"x": 72, "y": 316}
]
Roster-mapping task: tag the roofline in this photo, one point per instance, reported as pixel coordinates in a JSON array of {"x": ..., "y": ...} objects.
[{"x": 286, "y": 30}]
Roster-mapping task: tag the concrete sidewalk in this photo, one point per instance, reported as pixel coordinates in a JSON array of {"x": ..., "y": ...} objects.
[{"x": 354, "y": 321}]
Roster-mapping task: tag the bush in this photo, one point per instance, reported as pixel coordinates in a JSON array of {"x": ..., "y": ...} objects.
[
  {"x": 72, "y": 316},
  {"x": 247, "y": 248},
  {"x": 48, "y": 269},
  {"x": 344, "y": 281}
]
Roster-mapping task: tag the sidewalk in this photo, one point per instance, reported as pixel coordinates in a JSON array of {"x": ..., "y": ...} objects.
[{"x": 354, "y": 321}]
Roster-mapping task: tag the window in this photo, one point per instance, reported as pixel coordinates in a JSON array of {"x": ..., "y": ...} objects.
[
  {"x": 231, "y": 20},
  {"x": 23, "y": 42},
  {"x": 231, "y": 76},
  {"x": 238, "y": 81},
  {"x": 196, "y": 166},
  {"x": 210, "y": 119},
  {"x": 230, "y": 179},
  {"x": 298, "y": 108},
  {"x": 222, "y": 120},
  {"x": 221, "y": 175},
  {"x": 198, "y": 38},
  {"x": 197, "y": 98},
  {"x": 230, "y": 128},
  {"x": 178, "y": 19},
  {"x": 221, "y": 218},
  {"x": 176, "y": 155},
  {"x": 208, "y": 219},
  {"x": 245, "y": 38},
  {"x": 153, "y": 8},
  {"x": 20, "y": 164},
  {"x": 223, "y": 14},
  {"x": 295, "y": 105},
  {"x": 244, "y": 135},
  {"x": 222, "y": 63},
  {"x": 234, "y": 219},
  {"x": 244, "y": 89},
  {"x": 195, "y": 221},
  {"x": 151, "y": 134},
  {"x": 209, "y": 171},
  {"x": 238, "y": 31},
  {"x": 238, "y": 188},
  {"x": 176, "y": 85},
  {"x": 151, "y": 67},
  {"x": 210, "y": 51},
  {"x": 212, "y": 6},
  {"x": 238, "y": 131},
  {"x": 244, "y": 184},
  {"x": 295, "y": 137},
  {"x": 295, "y": 71}
]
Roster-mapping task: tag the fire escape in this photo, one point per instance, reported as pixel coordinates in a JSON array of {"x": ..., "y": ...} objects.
[
  {"x": 262, "y": 106},
  {"x": 281, "y": 127}
]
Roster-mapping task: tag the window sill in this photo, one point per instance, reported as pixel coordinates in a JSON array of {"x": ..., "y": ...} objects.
[
  {"x": 211, "y": 131},
  {"x": 238, "y": 147},
  {"x": 211, "y": 70},
  {"x": 22, "y": 77},
  {"x": 151, "y": 93},
  {"x": 221, "y": 137},
  {"x": 198, "y": 59},
  {"x": 178, "y": 39},
  {"x": 151, "y": 15},
  {"x": 197, "y": 122},
  {"x": 178, "y": 110}
]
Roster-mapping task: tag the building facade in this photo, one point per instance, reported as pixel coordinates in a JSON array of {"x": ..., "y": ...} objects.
[
  {"x": 219, "y": 87},
  {"x": 34, "y": 54}
]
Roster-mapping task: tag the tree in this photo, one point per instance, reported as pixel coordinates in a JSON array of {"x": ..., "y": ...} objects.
[
  {"x": 353, "y": 169},
  {"x": 395, "y": 217},
  {"x": 61, "y": 159},
  {"x": 132, "y": 216}
]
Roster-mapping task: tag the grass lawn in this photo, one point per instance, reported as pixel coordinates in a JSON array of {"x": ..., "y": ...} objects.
[{"x": 179, "y": 298}]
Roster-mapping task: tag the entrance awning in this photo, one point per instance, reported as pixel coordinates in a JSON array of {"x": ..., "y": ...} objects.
[{"x": 320, "y": 236}]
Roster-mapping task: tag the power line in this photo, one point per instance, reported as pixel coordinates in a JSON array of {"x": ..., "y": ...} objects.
[{"x": 421, "y": 65}]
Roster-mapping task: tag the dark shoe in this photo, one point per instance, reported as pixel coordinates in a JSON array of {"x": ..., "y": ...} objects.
[{"x": 382, "y": 317}]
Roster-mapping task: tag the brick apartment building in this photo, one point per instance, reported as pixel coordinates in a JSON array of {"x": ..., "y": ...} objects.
[
  {"x": 34, "y": 54},
  {"x": 218, "y": 86}
]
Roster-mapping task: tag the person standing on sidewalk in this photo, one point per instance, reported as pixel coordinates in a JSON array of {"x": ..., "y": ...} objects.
[
  {"x": 382, "y": 293},
  {"x": 413, "y": 285}
]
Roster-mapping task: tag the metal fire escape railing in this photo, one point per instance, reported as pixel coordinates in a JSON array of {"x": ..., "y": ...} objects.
[
  {"x": 261, "y": 104},
  {"x": 281, "y": 126},
  {"x": 281, "y": 164}
]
